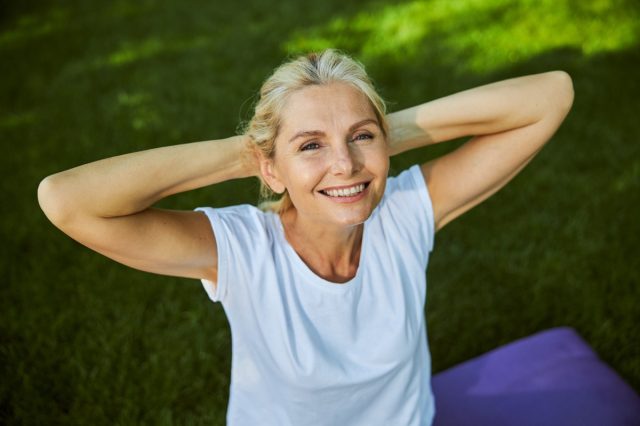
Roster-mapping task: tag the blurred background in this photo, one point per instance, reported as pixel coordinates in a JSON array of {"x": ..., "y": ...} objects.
[{"x": 84, "y": 340}]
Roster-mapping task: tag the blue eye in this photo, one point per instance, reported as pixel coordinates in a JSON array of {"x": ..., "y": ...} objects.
[
  {"x": 366, "y": 135},
  {"x": 309, "y": 146},
  {"x": 315, "y": 145}
]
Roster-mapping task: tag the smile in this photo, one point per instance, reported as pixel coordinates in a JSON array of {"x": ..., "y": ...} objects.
[{"x": 345, "y": 192}]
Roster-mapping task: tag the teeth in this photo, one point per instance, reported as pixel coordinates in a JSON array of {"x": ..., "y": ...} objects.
[{"x": 345, "y": 192}]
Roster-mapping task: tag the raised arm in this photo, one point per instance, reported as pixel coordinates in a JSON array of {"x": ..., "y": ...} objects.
[
  {"x": 106, "y": 205},
  {"x": 510, "y": 122}
]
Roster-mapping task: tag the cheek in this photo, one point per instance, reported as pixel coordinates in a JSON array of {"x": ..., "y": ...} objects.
[
  {"x": 302, "y": 174},
  {"x": 384, "y": 163},
  {"x": 378, "y": 161}
]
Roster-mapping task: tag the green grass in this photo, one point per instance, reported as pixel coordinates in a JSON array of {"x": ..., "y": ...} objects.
[{"x": 87, "y": 341}]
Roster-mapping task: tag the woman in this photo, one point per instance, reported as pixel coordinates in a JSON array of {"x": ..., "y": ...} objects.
[{"x": 324, "y": 289}]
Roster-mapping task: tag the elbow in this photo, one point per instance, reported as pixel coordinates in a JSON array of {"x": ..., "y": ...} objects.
[
  {"x": 51, "y": 200},
  {"x": 562, "y": 90}
]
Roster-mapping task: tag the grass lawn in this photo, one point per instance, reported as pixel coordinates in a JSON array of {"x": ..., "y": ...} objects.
[{"x": 84, "y": 340}]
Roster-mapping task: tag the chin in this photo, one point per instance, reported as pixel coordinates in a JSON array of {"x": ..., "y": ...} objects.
[{"x": 351, "y": 218}]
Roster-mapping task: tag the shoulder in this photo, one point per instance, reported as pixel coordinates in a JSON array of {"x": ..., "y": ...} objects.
[
  {"x": 407, "y": 187},
  {"x": 243, "y": 234},
  {"x": 408, "y": 178},
  {"x": 242, "y": 227},
  {"x": 240, "y": 210},
  {"x": 236, "y": 217},
  {"x": 406, "y": 207}
]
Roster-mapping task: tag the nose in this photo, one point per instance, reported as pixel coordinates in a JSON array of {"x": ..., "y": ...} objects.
[{"x": 344, "y": 161}]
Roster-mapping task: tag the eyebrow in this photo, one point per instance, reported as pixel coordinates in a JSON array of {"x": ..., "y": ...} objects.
[{"x": 321, "y": 133}]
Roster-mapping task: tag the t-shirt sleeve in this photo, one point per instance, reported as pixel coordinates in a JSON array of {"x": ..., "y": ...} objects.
[
  {"x": 240, "y": 235},
  {"x": 408, "y": 210}
]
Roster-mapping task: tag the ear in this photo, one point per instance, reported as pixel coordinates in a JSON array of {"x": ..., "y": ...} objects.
[{"x": 270, "y": 175}]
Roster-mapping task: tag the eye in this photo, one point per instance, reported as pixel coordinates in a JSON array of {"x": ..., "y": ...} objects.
[
  {"x": 309, "y": 146},
  {"x": 362, "y": 137}
]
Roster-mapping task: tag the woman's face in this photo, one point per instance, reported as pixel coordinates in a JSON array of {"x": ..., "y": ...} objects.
[{"x": 330, "y": 155}]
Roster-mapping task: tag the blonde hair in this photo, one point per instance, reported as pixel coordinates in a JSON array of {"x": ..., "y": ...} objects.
[{"x": 316, "y": 68}]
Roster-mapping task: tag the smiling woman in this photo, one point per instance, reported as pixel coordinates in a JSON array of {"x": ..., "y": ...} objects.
[
  {"x": 324, "y": 289},
  {"x": 318, "y": 169},
  {"x": 279, "y": 99}
]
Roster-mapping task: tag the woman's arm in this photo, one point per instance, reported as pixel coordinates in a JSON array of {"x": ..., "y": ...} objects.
[
  {"x": 510, "y": 122},
  {"x": 105, "y": 205}
]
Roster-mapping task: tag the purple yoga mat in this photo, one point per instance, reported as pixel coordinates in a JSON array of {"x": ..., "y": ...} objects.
[{"x": 550, "y": 378}]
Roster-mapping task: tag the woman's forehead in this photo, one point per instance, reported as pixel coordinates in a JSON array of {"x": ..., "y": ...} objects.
[{"x": 336, "y": 104}]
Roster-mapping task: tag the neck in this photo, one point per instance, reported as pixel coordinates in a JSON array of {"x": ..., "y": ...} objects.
[{"x": 332, "y": 252}]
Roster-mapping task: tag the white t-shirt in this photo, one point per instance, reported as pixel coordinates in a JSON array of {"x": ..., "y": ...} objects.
[{"x": 306, "y": 351}]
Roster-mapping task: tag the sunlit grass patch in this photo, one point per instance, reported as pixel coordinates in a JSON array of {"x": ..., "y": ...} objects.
[
  {"x": 476, "y": 35},
  {"x": 150, "y": 47}
]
